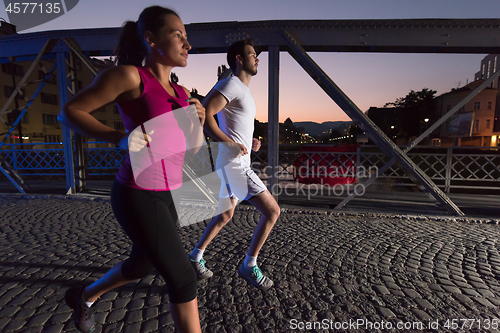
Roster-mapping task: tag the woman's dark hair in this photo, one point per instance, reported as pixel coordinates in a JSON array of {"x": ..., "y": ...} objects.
[
  {"x": 237, "y": 48},
  {"x": 132, "y": 48}
]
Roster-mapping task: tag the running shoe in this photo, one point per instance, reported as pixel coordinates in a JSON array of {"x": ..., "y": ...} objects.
[
  {"x": 255, "y": 277},
  {"x": 202, "y": 272},
  {"x": 82, "y": 314}
]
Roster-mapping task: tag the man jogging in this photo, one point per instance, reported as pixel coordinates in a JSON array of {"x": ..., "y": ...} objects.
[{"x": 233, "y": 99}]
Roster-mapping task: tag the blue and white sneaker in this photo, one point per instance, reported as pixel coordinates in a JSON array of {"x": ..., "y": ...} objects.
[
  {"x": 202, "y": 272},
  {"x": 255, "y": 277},
  {"x": 82, "y": 314}
]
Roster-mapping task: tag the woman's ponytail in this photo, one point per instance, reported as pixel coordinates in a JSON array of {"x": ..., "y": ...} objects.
[{"x": 130, "y": 49}]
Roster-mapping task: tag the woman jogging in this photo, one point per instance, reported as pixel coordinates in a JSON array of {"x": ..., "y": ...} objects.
[{"x": 147, "y": 51}]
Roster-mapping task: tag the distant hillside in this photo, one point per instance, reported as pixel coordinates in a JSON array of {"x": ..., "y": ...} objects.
[{"x": 315, "y": 129}]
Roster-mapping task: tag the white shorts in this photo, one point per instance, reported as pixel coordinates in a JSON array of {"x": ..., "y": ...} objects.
[{"x": 238, "y": 180}]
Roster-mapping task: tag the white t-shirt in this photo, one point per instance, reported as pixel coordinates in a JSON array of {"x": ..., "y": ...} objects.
[{"x": 236, "y": 119}]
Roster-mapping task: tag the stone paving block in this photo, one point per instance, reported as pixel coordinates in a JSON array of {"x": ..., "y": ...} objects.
[
  {"x": 150, "y": 326},
  {"x": 59, "y": 328},
  {"x": 397, "y": 293},
  {"x": 451, "y": 289},
  {"x": 381, "y": 290},
  {"x": 136, "y": 304},
  {"x": 462, "y": 284},
  {"x": 423, "y": 303},
  {"x": 478, "y": 285},
  {"x": 61, "y": 318},
  {"x": 166, "y": 318},
  {"x": 251, "y": 329},
  {"x": 463, "y": 299},
  {"x": 486, "y": 293},
  {"x": 411, "y": 293},
  {"x": 247, "y": 319},
  {"x": 234, "y": 328},
  {"x": 386, "y": 313},
  {"x": 35, "y": 329},
  {"x": 435, "y": 287},
  {"x": 102, "y": 317},
  {"x": 339, "y": 290},
  {"x": 25, "y": 314},
  {"x": 483, "y": 301},
  {"x": 9, "y": 311},
  {"x": 422, "y": 315},
  {"x": 450, "y": 255},
  {"x": 470, "y": 292},
  {"x": 132, "y": 328},
  {"x": 109, "y": 296},
  {"x": 133, "y": 316},
  {"x": 14, "y": 325},
  {"x": 150, "y": 313}
]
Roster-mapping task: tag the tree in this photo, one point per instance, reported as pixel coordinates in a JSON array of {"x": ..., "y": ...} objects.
[
  {"x": 415, "y": 107},
  {"x": 195, "y": 94},
  {"x": 220, "y": 71}
]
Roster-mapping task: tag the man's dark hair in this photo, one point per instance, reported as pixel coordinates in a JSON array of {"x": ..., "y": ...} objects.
[{"x": 237, "y": 48}]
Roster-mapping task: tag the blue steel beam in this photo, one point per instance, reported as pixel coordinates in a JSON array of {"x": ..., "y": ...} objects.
[
  {"x": 479, "y": 36},
  {"x": 48, "y": 57},
  {"x": 68, "y": 142}
]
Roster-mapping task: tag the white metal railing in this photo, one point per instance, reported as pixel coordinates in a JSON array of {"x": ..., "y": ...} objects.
[{"x": 448, "y": 167}]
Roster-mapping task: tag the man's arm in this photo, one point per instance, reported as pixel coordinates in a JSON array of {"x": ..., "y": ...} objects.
[{"x": 213, "y": 103}]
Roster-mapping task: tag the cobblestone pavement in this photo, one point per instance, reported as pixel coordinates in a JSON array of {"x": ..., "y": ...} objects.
[{"x": 330, "y": 270}]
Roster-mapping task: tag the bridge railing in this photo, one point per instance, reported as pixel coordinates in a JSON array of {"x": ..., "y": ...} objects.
[{"x": 449, "y": 167}]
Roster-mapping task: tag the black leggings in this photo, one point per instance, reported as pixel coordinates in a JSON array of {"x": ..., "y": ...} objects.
[{"x": 149, "y": 219}]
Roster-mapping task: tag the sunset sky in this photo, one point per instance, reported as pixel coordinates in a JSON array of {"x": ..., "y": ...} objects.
[{"x": 369, "y": 79}]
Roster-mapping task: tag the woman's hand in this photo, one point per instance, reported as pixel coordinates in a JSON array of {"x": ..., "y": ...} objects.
[
  {"x": 200, "y": 110},
  {"x": 136, "y": 140}
]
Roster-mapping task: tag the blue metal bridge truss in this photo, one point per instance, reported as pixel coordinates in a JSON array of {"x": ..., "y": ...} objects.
[{"x": 479, "y": 36}]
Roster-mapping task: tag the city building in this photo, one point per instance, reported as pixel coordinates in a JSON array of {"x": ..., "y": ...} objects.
[
  {"x": 489, "y": 65},
  {"x": 473, "y": 124},
  {"x": 40, "y": 124}
]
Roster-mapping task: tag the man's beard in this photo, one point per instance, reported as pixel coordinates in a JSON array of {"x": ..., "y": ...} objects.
[{"x": 249, "y": 69}]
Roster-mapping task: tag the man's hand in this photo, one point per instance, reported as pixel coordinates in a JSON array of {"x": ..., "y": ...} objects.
[
  {"x": 256, "y": 144},
  {"x": 236, "y": 149},
  {"x": 243, "y": 149},
  {"x": 136, "y": 140}
]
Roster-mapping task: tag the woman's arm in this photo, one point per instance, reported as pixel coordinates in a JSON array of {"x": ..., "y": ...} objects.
[{"x": 119, "y": 83}]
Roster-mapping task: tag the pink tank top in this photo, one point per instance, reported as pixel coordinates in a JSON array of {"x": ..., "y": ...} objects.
[{"x": 153, "y": 110}]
